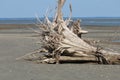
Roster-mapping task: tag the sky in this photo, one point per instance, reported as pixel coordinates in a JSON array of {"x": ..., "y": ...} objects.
[{"x": 81, "y": 8}]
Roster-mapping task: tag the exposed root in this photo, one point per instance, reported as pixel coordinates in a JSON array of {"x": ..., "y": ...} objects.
[{"x": 62, "y": 41}]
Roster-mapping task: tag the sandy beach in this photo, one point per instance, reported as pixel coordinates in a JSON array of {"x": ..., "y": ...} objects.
[{"x": 19, "y": 40}]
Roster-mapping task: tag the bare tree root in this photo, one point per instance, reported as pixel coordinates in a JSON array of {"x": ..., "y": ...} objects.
[{"x": 62, "y": 42}]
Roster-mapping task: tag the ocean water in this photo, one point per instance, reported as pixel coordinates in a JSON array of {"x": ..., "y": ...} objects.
[
  {"x": 100, "y": 21},
  {"x": 85, "y": 21}
]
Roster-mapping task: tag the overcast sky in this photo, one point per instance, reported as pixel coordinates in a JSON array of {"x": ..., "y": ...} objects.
[{"x": 81, "y": 8}]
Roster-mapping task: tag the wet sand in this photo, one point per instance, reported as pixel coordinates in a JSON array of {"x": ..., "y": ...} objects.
[{"x": 15, "y": 42}]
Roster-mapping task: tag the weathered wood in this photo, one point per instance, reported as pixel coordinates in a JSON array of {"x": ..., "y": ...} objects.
[
  {"x": 71, "y": 59},
  {"x": 59, "y": 10},
  {"x": 63, "y": 42}
]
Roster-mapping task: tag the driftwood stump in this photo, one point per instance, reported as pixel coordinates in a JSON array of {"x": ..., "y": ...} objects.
[{"x": 62, "y": 42}]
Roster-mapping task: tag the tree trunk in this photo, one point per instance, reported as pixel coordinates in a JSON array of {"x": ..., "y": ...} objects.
[
  {"x": 61, "y": 40},
  {"x": 59, "y": 10}
]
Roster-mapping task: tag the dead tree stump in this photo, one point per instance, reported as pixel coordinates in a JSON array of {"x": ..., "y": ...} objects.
[{"x": 61, "y": 41}]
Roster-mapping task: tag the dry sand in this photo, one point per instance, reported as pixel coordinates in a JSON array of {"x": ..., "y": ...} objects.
[{"x": 17, "y": 42}]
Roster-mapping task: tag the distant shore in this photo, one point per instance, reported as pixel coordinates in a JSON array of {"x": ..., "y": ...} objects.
[{"x": 16, "y": 26}]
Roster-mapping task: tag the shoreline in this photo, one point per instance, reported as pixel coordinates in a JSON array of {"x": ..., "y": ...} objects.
[
  {"x": 107, "y": 35},
  {"x": 17, "y": 41},
  {"x": 15, "y": 26}
]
